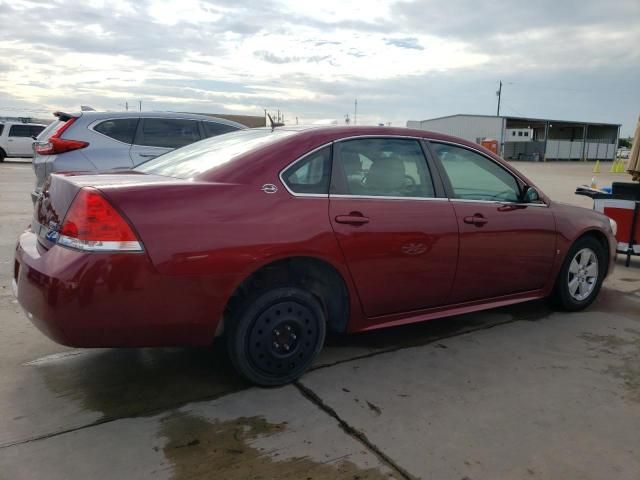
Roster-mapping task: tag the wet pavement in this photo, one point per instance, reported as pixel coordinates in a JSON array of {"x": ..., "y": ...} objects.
[{"x": 515, "y": 392}]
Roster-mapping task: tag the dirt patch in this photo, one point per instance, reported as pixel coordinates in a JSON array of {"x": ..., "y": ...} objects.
[
  {"x": 627, "y": 350},
  {"x": 199, "y": 448},
  {"x": 613, "y": 301}
]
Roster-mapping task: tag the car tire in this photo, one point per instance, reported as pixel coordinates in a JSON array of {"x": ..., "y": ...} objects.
[
  {"x": 3, "y": 155},
  {"x": 275, "y": 335},
  {"x": 581, "y": 275}
]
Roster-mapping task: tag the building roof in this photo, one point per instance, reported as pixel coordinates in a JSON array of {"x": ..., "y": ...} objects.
[{"x": 529, "y": 119}]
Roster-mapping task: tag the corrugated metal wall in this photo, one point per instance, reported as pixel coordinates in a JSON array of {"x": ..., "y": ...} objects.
[{"x": 465, "y": 126}]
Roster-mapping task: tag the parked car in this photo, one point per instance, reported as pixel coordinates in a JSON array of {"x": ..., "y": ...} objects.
[
  {"x": 16, "y": 138},
  {"x": 271, "y": 238},
  {"x": 100, "y": 141}
]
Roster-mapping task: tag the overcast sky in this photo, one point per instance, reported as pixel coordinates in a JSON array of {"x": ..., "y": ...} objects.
[{"x": 574, "y": 60}]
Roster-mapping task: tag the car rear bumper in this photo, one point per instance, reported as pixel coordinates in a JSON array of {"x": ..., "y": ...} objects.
[{"x": 109, "y": 299}]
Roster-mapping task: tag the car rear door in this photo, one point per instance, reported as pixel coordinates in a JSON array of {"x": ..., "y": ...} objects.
[
  {"x": 20, "y": 141},
  {"x": 400, "y": 239},
  {"x": 156, "y": 136},
  {"x": 506, "y": 246},
  {"x": 110, "y": 149}
]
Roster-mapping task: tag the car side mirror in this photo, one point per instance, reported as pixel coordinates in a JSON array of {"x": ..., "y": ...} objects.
[{"x": 529, "y": 195}]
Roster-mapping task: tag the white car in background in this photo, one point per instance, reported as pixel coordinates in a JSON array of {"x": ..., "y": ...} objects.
[
  {"x": 98, "y": 141},
  {"x": 16, "y": 138}
]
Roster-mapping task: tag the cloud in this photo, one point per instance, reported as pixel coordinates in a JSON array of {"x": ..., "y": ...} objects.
[
  {"x": 273, "y": 58},
  {"x": 409, "y": 42},
  {"x": 402, "y": 59}
]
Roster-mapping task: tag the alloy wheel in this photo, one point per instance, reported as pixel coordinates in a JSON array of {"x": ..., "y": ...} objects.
[{"x": 583, "y": 273}]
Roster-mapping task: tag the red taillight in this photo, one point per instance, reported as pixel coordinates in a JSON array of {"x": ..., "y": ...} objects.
[
  {"x": 55, "y": 144},
  {"x": 93, "y": 224}
]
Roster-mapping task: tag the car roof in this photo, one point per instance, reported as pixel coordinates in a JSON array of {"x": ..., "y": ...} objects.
[
  {"x": 337, "y": 132},
  {"x": 95, "y": 115},
  {"x": 15, "y": 122}
]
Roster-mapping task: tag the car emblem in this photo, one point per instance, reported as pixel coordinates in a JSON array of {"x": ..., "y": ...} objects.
[
  {"x": 52, "y": 233},
  {"x": 269, "y": 188}
]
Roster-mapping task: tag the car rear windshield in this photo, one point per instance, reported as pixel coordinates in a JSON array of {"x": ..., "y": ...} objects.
[
  {"x": 199, "y": 157},
  {"x": 47, "y": 132}
]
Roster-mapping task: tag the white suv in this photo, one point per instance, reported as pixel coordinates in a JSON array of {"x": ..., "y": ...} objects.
[{"x": 16, "y": 138}]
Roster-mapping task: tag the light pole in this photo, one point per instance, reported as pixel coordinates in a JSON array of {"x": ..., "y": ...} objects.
[
  {"x": 355, "y": 112},
  {"x": 499, "y": 94}
]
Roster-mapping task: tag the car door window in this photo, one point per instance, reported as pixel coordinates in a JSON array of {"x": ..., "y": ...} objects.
[
  {"x": 211, "y": 129},
  {"x": 36, "y": 130},
  {"x": 121, "y": 129},
  {"x": 383, "y": 167},
  {"x": 310, "y": 175},
  {"x": 20, "y": 131},
  {"x": 475, "y": 177},
  {"x": 168, "y": 132}
]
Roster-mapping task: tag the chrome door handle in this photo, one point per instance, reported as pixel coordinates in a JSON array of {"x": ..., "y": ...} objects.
[{"x": 477, "y": 220}]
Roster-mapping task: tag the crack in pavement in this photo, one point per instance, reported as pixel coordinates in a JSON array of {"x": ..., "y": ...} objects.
[{"x": 352, "y": 431}]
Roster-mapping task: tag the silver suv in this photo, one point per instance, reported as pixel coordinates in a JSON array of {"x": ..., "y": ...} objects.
[{"x": 98, "y": 141}]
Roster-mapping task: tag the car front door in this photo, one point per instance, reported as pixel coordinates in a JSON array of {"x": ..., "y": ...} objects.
[
  {"x": 156, "y": 136},
  {"x": 20, "y": 141},
  {"x": 399, "y": 239},
  {"x": 506, "y": 246}
]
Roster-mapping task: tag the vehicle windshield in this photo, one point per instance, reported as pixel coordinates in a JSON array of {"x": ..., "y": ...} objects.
[
  {"x": 189, "y": 161},
  {"x": 48, "y": 131}
]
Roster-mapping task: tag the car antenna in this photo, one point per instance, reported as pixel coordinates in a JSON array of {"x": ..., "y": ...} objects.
[{"x": 274, "y": 124}]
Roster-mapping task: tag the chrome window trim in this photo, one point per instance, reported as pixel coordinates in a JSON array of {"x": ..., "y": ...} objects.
[
  {"x": 355, "y": 137},
  {"x": 308, "y": 195},
  {"x": 374, "y": 197},
  {"x": 499, "y": 202},
  {"x": 481, "y": 153},
  {"x": 386, "y": 197}
]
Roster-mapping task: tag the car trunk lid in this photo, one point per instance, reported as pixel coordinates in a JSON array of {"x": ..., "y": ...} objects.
[{"x": 60, "y": 190}]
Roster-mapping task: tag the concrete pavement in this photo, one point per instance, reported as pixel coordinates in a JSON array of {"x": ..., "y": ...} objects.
[{"x": 509, "y": 393}]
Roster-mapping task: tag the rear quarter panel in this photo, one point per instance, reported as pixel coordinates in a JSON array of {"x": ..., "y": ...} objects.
[{"x": 221, "y": 233}]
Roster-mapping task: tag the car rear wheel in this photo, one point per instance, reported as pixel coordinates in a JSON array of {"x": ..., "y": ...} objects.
[
  {"x": 2, "y": 155},
  {"x": 276, "y": 335},
  {"x": 581, "y": 275}
]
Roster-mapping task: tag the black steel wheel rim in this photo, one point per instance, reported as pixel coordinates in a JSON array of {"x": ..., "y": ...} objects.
[{"x": 283, "y": 338}]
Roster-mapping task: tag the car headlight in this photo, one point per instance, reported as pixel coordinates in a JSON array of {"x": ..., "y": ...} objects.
[{"x": 614, "y": 226}]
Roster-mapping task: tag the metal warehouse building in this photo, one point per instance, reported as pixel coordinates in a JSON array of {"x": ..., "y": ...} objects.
[{"x": 523, "y": 138}]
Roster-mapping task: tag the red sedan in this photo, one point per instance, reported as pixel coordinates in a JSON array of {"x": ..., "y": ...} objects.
[{"x": 271, "y": 237}]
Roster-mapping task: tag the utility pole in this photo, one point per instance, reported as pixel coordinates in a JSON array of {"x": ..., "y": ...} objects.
[
  {"x": 499, "y": 94},
  {"x": 126, "y": 106},
  {"x": 355, "y": 112},
  {"x": 140, "y": 105}
]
